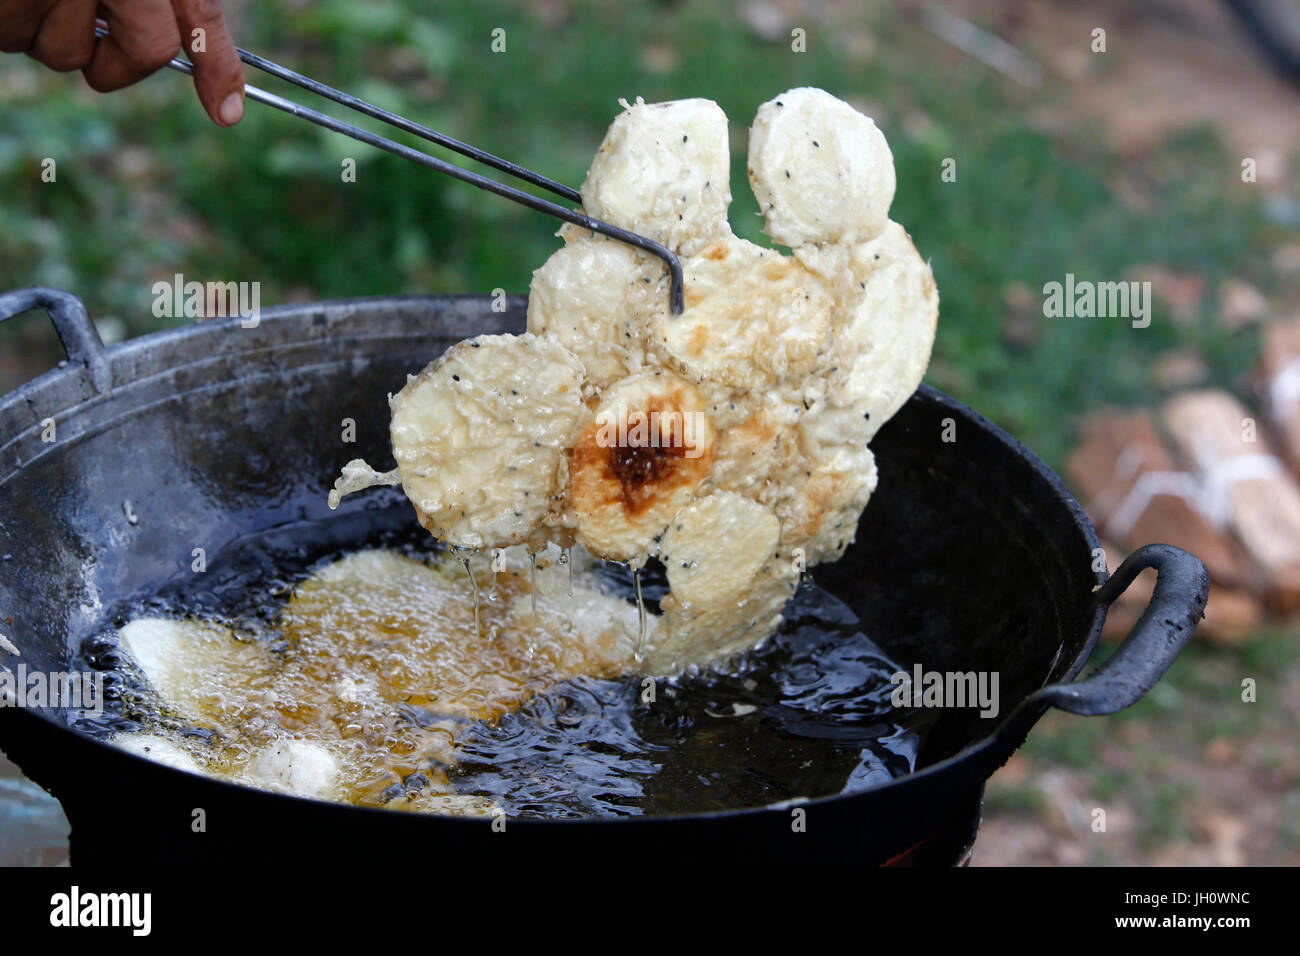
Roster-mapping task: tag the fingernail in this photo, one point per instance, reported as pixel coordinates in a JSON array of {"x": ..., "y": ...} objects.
[{"x": 232, "y": 109}]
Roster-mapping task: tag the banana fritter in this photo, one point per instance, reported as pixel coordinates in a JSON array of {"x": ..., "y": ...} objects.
[{"x": 730, "y": 442}]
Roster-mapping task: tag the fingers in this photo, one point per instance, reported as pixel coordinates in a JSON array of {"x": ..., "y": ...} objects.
[
  {"x": 218, "y": 73},
  {"x": 19, "y": 21},
  {"x": 66, "y": 40},
  {"x": 142, "y": 38}
]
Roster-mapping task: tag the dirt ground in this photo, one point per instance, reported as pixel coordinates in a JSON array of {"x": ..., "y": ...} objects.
[{"x": 1167, "y": 66}]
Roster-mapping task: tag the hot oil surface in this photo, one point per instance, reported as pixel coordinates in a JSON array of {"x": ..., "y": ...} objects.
[
  {"x": 806, "y": 714},
  {"x": 412, "y": 716}
]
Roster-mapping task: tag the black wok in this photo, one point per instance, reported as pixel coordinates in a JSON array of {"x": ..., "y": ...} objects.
[{"x": 971, "y": 556}]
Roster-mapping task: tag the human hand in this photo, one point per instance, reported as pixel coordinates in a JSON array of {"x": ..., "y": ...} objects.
[{"x": 143, "y": 36}]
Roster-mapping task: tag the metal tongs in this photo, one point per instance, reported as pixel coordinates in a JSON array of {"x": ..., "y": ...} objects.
[{"x": 676, "y": 297}]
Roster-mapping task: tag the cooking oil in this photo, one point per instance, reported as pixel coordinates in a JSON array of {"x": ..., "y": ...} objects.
[{"x": 378, "y": 652}]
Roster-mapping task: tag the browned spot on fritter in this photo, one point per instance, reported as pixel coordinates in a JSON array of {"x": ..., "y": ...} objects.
[
  {"x": 640, "y": 471},
  {"x": 700, "y": 339},
  {"x": 759, "y": 430},
  {"x": 776, "y": 270},
  {"x": 635, "y": 475},
  {"x": 816, "y": 494}
]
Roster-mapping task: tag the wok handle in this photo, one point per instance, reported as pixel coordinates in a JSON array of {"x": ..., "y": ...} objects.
[
  {"x": 80, "y": 339},
  {"x": 1176, "y": 607}
]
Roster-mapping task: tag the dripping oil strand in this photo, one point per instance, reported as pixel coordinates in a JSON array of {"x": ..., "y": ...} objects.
[
  {"x": 566, "y": 557},
  {"x": 532, "y": 585},
  {"x": 641, "y": 622},
  {"x": 473, "y": 583}
]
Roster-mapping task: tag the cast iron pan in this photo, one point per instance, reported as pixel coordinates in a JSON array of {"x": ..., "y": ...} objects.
[{"x": 970, "y": 556}]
